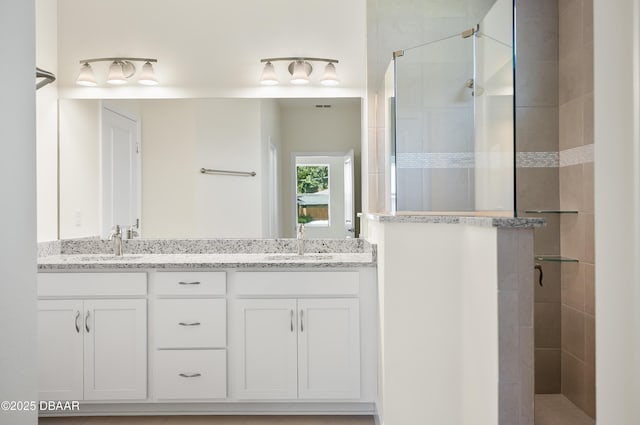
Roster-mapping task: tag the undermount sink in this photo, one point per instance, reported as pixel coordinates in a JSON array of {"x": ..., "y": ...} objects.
[
  {"x": 106, "y": 257},
  {"x": 290, "y": 257}
]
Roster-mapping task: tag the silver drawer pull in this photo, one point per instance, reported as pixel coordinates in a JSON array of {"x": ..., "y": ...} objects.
[
  {"x": 190, "y": 375},
  {"x": 189, "y": 324},
  {"x": 188, "y": 283},
  {"x": 77, "y": 325}
]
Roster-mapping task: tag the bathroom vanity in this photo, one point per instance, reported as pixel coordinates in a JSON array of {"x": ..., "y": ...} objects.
[{"x": 213, "y": 329}]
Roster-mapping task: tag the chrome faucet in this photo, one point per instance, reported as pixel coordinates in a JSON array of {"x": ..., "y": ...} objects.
[
  {"x": 116, "y": 237},
  {"x": 300, "y": 237},
  {"x": 132, "y": 232}
]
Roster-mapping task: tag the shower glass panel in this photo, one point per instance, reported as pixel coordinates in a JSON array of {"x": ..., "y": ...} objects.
[{"x": 454, "y": 122}]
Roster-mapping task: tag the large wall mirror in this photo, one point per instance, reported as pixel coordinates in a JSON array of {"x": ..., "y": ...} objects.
[{"x": 138, "y": 163}]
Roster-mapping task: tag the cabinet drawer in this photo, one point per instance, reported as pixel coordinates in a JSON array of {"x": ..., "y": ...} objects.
[
  {"x": 297, "y": 283},
  {"x": 190, "y": 323},
  {"x": 190, "y": 283},
  {"x": 190, "y": 374},
  {"x": 92, "y": 284}
]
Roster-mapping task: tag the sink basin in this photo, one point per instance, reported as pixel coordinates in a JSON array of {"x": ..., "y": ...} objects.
[
  {"x": 105, "y": 257},
  {"x": 294, "y": 257}
]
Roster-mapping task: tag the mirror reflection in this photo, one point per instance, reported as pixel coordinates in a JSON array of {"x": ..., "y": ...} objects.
[{"x": 136, "y": 163}]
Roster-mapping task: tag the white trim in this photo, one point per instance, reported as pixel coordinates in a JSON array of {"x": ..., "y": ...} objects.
[
  {"x": 124, "y": 408},
  {"x": 636, "y": 193}
]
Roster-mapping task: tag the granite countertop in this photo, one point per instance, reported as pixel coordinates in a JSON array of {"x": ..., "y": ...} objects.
[
  {"x": 203, "y": 261},
  {"x": 480, "y": 221},
  {"x": 149, "y": 254}
]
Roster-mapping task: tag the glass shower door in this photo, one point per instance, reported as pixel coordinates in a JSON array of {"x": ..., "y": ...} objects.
[
  {"x": 494, "y": 118},
  {"x": 454, "y": 122},
  {"x": 434, "y": 137}
]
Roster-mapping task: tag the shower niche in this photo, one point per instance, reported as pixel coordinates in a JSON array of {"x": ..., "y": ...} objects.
[{"x": 451, "y": 112}]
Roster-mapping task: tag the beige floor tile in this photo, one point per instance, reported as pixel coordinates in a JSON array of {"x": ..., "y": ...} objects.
[{"x": 556, "y": 409}]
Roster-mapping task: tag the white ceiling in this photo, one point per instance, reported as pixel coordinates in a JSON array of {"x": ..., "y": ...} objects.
[{"x": 209, "y": 48}]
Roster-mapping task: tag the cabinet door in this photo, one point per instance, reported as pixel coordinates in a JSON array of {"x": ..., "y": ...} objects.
[
  {"x": 267, "y": 348},
  {"x": 328, "y": 349},
  {"x": 115, "y": 349},
  {"x": 60, "y": 349}
]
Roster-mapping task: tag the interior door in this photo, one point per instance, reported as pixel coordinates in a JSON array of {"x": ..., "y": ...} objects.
[
  {"x": 335, "y": 197},
  {"x": 349, "y": 201},
  {"x": 120, "y": 174}
]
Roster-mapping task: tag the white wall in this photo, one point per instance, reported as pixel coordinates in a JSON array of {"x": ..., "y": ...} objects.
[
  {"x": 18, "y": 213},
  {"x": 437, "y": 299},
  {"x": 617, "y": 210},
  {"x": 79, "y": 168},
  {"x": 270, "y": 135},
  {"x": 308, "y": 129},
  {"x": 211, "y": 48},
  {"x": 47, "y": 120},
  {"x": 179, "y": 137}
]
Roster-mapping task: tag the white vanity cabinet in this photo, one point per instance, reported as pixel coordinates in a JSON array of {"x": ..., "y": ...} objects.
[
  {"x": 189, "y": 322},
  {"x": 293, "y": 341},
  {"x": 92, "y": 336}
]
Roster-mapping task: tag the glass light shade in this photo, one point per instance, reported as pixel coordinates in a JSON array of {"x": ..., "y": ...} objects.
[
  {"x": 116, "y": 74},
  {"x": 300, "y": 74},
  {"x": 147, "y": 76},
  {"x": 86, "y": 76},
  {"x": 269, "y": 76},
  {"x": 330, "y": 78}
]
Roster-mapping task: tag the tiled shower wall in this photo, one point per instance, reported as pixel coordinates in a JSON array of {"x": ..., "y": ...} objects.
[
  {"x": 537, "y": 176},
  {"x": 554, "y": 113},
  {"x": 554, "y": 143},
  {"x": 576, "y": 193}
]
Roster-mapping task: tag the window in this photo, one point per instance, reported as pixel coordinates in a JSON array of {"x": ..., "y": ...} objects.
[{"x": 312, "y": 194}]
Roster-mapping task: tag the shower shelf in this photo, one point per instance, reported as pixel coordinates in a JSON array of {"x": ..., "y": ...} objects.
[
  {"x": 556, "y": 259},
  {"x": 551, "y": 212}
]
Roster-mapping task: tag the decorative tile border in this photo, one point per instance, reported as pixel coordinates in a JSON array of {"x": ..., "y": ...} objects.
[
  {"x": 435, "y": 160},
  {"x": 537, "y": 159},
  {"x": 576, "y": 156},
  {"x": 565, "y": 158}
]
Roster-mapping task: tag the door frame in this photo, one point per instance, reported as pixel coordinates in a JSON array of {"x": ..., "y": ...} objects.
[
  {"x": 108, "y": 106},
  {"x": 294, "y": 192}
]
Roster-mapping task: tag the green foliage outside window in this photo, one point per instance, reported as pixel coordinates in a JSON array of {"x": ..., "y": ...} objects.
[{"x": 312, "y": 178}]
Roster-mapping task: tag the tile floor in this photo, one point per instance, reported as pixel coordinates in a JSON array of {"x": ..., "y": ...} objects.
[
  {"x": 211, "y": 420},
  {"x": 556, "y": 409}
]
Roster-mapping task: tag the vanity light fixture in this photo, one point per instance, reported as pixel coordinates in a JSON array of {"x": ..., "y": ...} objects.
[
  {"x": 300, "y": 69},
  {"x": 120, "y": 71}
]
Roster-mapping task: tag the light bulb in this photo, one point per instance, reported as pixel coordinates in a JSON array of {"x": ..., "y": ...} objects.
[
  {"x": 269, "y": 76},
  {"x": 116, "y": 74},
  {"x": 147, "y": 76},
  {"x": 330, "y": 77},
  {"x": 300, "y": 73},
  {"x": 86, "y": 76}
]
